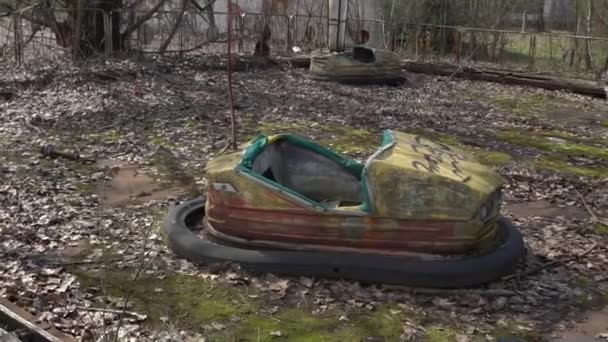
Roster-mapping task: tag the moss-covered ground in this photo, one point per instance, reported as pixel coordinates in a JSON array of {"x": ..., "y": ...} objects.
[{"x": 198, "y": 304}]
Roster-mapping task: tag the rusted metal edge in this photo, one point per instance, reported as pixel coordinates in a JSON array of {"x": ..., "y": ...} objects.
[
  {"x": 15, "y": 318},
  {"x": 220, "y": 237}
]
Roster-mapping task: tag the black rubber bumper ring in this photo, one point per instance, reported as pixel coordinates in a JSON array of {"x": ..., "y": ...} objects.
[
  {"x": 390, "y": 80},
  {"x": 451, "y": 273}
]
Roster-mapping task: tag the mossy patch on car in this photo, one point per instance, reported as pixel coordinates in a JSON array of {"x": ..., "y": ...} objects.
[
  {"x": 486, "y": 157},
  {"x": 440, "y": 137}
]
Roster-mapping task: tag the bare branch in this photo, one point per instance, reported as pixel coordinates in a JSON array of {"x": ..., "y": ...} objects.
[
  {"x": 178, "y": 23},
  {"x": 204, "y": 8},
  {"x": 142, "y": 20},
  {"x": 134, "y": 4}
]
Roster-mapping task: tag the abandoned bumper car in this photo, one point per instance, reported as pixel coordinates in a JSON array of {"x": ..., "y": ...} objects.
[
  {"x": 362, "y": 65},
  {"x": 416, "y": 213}
]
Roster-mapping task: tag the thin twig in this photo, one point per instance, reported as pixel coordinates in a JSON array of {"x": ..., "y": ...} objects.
[
  {"x": 130, "y": 288},
  {"x": 593, "y": 216},
  {"x": 452, "y": 292},
  {"x": 230, "y": 93},
  {"x": 91, "y": 262},
  {"x": 176, "y": 26},
  {"x": 223, "y": 150},
  {"x": 551, "y": 264},
  {"x": 127, "y": 33},
  {"x": 139, "y": 316},
  {"x": 203, "y": 8}
]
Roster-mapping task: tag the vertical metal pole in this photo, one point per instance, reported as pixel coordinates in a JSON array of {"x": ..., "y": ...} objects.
[
  {"x": 457, "y": 45},
  {"x": 107, "y": 29},
  {"x": 337, "y": 24},
  {"x": 289, "y": 33},
  {"x": 339, "y": 47},
  {"x": 532, "y": 50},
  {"x": 241, "y": 32},
  {"x": 229, "y": 67},
  {"x": 17, "y": 34},
  {"x": 417, "y": 43}
]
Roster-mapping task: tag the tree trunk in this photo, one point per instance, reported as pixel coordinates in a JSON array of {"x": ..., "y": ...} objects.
[
  {"x": 540, "y": 23},
  {"x": 90, "y": 28},
  {"x": 575, "y": 60},
  {"x": 176, "y": 27},
  {"x": 588, "y": 19}
]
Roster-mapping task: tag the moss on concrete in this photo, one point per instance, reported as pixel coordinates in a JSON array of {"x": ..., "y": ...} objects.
[
  {"x": 565, "y": 147},
  {"x": 159, "y": 141},
  {"x": 171, "y": 171},
  {"x": 526, "y": 104},
  {"x": 441, "y": 335},
  {"x": 515, "y": 332},
  {"x": 341, "y": 138},
  {"x": 190, "y": 302},
  {"x": 346, "y": 139},
  {"x": 383, "y": 324},
  {"x": 76, "y": 138},
  {"x": 600, "y": 228},
  {"x": 351, "y": 140},
  {"x": 288, "y": 325},
  {"x": 193, "y": 126},
  {"x": 112, "y": 135},
  {"x": 492, "y": 158},
  {"x": 523, "y": 105},
  {"x": 558, "y": 165},
  {"x": 556, "y": 146},
  {"x": 605, "y": 123},
  {"x": 187, "y": 301}
]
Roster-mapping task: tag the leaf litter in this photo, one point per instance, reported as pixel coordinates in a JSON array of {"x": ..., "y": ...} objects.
[{"x": 149, "y": 113}]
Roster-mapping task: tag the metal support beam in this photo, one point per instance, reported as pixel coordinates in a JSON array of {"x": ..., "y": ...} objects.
[{"x": 337, "y": 24}]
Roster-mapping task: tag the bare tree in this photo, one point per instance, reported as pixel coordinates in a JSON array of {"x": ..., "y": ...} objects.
[{"x": 85, "y": 27}]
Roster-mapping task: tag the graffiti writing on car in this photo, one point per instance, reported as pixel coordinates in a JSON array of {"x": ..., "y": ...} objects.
[{"x": 434, "y": 154}]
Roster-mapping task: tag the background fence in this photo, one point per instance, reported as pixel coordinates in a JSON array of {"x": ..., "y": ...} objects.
[{"x": 24, "y": 41}]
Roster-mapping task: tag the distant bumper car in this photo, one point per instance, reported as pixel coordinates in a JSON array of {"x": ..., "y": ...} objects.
[
  {"x": 362, "y": 65},
  {"x": 416, "y": 213}
]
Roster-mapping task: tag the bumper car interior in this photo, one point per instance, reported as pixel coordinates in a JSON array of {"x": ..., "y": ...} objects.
[{"x": 309, "y": 174}]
